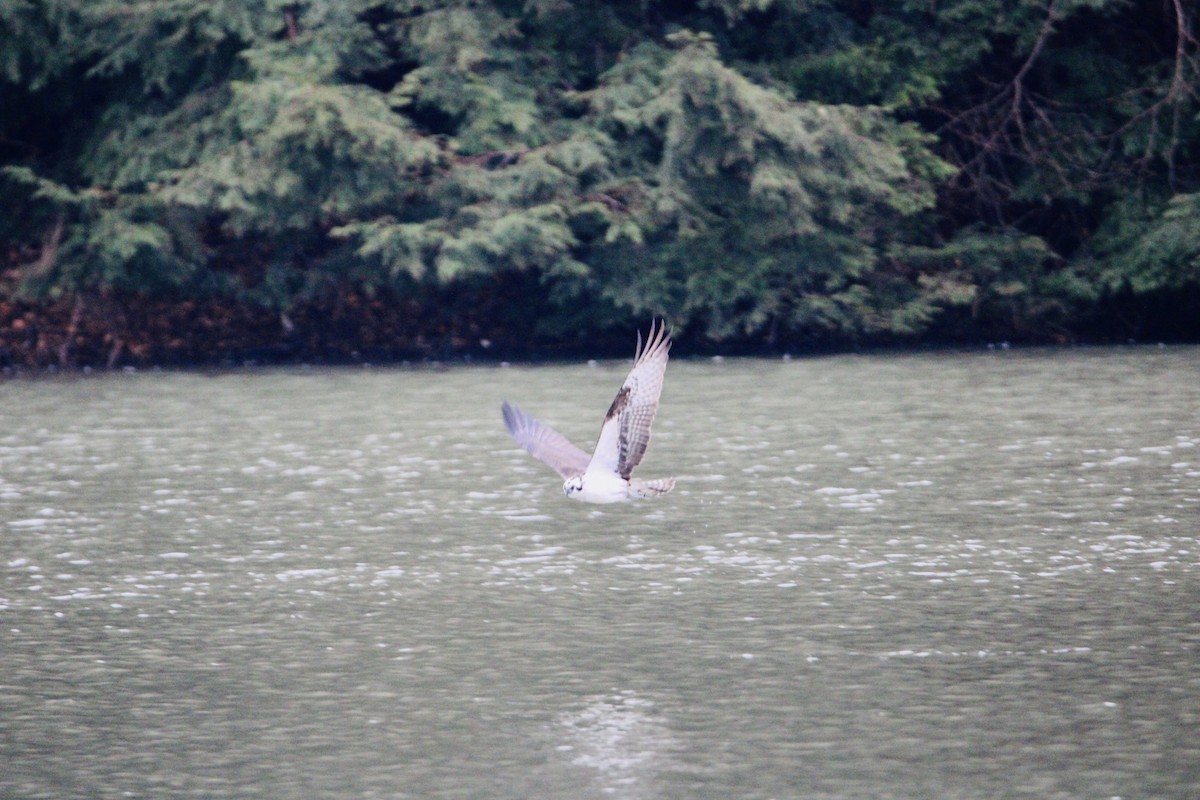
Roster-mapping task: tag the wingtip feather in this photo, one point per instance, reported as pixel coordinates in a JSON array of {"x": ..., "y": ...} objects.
[
  {"x": 513, "y": 417},
  {"x": 657, "y": 340}
]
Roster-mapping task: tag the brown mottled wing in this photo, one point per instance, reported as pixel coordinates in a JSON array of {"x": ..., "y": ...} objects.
[
  {"x": 544, "y": 443},
  {"x": 626, "y": 431}
]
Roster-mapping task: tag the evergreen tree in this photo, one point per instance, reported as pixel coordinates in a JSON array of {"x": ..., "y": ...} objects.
[{"x": 823, "y": 169}]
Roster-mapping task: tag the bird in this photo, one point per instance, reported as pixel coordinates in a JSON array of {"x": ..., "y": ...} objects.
[{"x": 606, "y": 476}]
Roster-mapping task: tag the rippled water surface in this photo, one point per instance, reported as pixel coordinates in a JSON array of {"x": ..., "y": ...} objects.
[{"x": 948, "y": 575}]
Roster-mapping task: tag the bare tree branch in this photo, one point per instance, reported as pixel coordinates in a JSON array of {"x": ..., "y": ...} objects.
[{"x": 1013, "y": 126}]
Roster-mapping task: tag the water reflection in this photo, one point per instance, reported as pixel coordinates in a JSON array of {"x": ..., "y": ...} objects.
[{"x": 620, "y": 739}]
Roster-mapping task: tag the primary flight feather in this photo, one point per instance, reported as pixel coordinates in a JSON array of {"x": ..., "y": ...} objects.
[{"x": 606, "y": 475}]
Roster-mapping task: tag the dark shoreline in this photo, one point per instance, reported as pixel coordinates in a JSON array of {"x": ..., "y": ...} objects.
[
  {"x": 389, "y": 328},
  {"x": 559, "y": 358}
]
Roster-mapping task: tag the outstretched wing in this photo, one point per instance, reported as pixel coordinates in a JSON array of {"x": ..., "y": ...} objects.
[
  {"x": 626, "y": 431},
  {"x": 544, "y": 443}
]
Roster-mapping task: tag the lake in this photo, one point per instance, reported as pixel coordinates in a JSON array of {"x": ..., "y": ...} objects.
[{"x": 932, "y": 575}]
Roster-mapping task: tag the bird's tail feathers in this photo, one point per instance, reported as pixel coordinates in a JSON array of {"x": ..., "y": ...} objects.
[{"x": 653, "y": 488}]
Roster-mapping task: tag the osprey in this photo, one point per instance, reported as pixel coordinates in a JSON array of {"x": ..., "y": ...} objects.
[{"x": 605, "y": 475}]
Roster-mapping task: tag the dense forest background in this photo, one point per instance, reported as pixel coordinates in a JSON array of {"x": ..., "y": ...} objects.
[{"x": 197, "y": 182}]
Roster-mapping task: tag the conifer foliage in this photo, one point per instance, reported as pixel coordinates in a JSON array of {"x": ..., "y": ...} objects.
[{"x": 774, "y": 171}]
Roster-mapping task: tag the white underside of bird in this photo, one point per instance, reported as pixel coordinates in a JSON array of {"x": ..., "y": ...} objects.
[{"x": 606, "y": 475}]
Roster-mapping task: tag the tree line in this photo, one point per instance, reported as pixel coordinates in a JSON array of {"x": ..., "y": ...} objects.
[{"x": 368, "y": 178}]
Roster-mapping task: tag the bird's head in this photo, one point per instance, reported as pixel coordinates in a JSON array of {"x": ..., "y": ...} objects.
[{"x": 573, "y": 485}]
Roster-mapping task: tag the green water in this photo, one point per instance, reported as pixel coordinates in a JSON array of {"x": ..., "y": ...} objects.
[{"x": 950, "y": 575}]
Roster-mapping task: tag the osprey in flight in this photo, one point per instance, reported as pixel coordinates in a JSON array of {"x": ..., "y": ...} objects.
[{"x": 604, "y": 476}]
